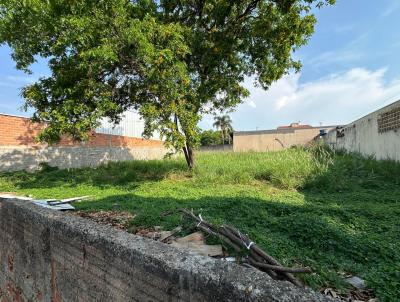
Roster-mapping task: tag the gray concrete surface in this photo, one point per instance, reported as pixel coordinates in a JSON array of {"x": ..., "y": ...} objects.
[
  {"x": 13, "y": 158},
  {"x": 362, "y": 136},
  {"x": 53, "y": 256}
]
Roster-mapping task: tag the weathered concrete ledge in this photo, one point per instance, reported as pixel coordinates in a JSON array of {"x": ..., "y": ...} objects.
[{"x": 51, "y": 256}]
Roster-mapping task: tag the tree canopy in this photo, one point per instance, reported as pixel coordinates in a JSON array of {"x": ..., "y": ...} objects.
[
  {"x": 210, "y": 138},
  {"x": 172, "y": 60}
]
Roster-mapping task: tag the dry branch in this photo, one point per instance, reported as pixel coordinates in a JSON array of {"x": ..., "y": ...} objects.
[{"x": 239, "y": 242}]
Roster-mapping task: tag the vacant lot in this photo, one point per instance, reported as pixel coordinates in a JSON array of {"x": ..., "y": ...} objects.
[{"x": 337, "y": 213}]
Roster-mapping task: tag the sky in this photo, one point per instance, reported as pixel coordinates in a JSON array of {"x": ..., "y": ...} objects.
[{"x": 351, "y": 67}]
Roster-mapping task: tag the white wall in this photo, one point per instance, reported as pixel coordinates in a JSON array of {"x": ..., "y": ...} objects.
[
  {"x": 131, "y": 125},
  {"x": 362, "y": 136}
]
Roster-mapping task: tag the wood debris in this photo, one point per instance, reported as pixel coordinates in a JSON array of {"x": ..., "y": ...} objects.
[
  {"x": 241, "y": 243},
  {"x": 196, "y": 243}
]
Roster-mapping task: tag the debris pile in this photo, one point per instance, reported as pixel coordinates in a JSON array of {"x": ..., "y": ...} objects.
[
  {"x": 116, "y": 219},
  {"x": 242, "y": 244},
  {"x": 353, "y": 295},
  {"x": 194, "y": 241}
]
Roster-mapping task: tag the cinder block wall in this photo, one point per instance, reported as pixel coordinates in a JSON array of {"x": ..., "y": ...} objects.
[
  {"x": 363, "y": 136},
  {"x": 52, "y": 256},
  {"x": 273, "y": 140},
  {"x": 19, "y": 149}
]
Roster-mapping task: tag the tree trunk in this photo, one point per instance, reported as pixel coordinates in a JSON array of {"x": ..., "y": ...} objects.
[
  {"x": 189, "y": 156},
  {"x": 187, "y": 150},
  {"x": 186, "y": 155}
]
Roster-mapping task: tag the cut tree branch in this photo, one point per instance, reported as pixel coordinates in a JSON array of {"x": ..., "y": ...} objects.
[{"x": 240, "y": 242}]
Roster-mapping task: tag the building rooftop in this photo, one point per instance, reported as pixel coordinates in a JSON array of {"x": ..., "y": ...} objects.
[
  {"x": 282, "y": 129},
  {"x": 296, "y": 126}
]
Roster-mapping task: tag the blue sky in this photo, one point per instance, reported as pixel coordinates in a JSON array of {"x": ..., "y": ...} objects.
[{"x": 351, "y": 66}]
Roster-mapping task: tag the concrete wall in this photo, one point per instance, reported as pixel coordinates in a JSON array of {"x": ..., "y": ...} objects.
[
  {"x": 19, "y": 149},
  {"x": 15, "y": 158},
  {"x": 216, "y": 148},
  {"x": 53, "y": 256},
  {"x": 273, "y": 140},
  {"x": 362, "y": 136}
]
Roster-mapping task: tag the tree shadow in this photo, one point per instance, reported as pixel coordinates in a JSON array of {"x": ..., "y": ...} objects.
[
  {"x": 124, "y": 173},
  {"x": 325, "y": 237},
  {"x": 27, "y": 137}
]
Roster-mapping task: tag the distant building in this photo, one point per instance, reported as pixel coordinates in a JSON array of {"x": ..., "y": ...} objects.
[
  {"x": 131, "y": 125},
  {"x": 277, "y": 139},
  {"x": 295, "y": 125}
]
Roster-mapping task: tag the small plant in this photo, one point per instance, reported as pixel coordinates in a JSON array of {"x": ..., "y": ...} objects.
[{"x": 45, "y": 167}]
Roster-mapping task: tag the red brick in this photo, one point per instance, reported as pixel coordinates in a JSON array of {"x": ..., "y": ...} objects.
[{"x": 19, "y": 131}]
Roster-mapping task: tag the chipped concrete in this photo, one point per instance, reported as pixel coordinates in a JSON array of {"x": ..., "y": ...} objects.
[{"x": 61, "y": 257}]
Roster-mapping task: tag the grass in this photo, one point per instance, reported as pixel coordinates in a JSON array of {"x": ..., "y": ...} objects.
[{"x": 337, "y": 213}]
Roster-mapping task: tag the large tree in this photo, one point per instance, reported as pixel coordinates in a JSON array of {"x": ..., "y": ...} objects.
[{"x": 173, "y": 60}]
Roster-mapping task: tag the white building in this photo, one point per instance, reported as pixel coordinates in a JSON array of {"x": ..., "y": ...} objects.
[{"x": 131, "y": 125}]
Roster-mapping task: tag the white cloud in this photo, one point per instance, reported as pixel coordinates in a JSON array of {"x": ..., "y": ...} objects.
[
  {"x": 336, "y": 99},
  {"x": 333, "y": 57},
  {"x": 393, "y": 7}
]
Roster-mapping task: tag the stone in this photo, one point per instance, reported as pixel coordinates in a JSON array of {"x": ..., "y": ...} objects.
[
  {"x": 357, "y": 282},
  {"x": 116, "y": 206}
]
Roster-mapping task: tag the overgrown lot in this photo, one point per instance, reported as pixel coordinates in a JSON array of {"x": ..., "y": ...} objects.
[{"x": 337, "y": 213}]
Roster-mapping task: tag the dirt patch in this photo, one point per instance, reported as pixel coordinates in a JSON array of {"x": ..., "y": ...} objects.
[
  {"x": 116, "y": 219},
  {"x": 361, "y": 295}
]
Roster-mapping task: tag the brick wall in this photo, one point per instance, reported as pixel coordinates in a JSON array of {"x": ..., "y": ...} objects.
[
  {"x": 53, "y": 256},
  {"x": 19, "y": 149},
  {"x": 17, "y": 131},
  {"x": 20, "y": 131}
]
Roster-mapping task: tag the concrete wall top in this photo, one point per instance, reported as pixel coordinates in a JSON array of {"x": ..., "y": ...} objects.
[
  {"x": 280, "y": 131},
  {"x": 62, "y": 257}
]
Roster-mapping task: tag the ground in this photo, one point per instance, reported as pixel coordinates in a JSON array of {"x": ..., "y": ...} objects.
[{"x": 336, "y": 213}]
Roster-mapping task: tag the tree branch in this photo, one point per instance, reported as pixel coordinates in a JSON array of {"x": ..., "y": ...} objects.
[{"x": 248, "y": 10}]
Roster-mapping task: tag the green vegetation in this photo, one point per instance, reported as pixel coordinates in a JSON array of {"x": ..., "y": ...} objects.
[
  {"x": 337, "y": 213},
  {"x": 210, "y": 138},
  {"x": 224, "y": 124},
  {"x": 174, "y": 61}
]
